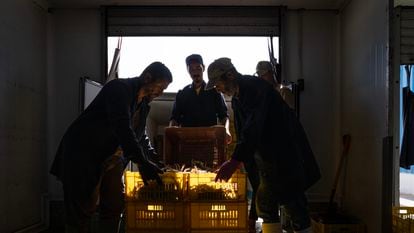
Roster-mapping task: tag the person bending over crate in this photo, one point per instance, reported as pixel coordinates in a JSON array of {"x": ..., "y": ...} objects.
[
  {"x": 196, "y": 107},
  {"x": 86, "y": 161},
  {"x": 273, "y": 139}
]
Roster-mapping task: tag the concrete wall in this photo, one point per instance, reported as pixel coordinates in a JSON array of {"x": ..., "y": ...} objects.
[
  {"x": 22, "y": 114},
  {"x": 74, "y": 52},
  {"x": 364, "y": 89},
  {"x": 311, "y": 53},
  {"x": 342, "y": 56}
]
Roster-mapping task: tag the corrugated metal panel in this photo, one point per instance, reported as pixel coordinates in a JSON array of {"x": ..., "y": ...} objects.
[
  {"x": 407, "y": 35},
  {"x": 193, "y": 21}
]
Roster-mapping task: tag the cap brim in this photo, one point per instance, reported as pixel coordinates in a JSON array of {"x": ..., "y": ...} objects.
[{"x": 210, "y": 85}]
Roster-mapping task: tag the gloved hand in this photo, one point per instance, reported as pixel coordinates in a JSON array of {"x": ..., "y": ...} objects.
[
  {"x": 227, "y": 169},
  {"x": 149, "y": 171}
]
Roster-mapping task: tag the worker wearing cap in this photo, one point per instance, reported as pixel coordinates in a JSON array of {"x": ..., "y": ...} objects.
[
  {"x": 270, "y": 136},
  {"x": 196, "y": 107},
  {"x": 265, "y": 71}
]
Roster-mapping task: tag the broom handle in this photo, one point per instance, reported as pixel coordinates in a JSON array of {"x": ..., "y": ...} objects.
[{"x": 346, "y": 142}]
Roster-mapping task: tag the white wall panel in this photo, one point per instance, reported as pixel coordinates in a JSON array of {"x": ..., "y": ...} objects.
[
  {"x": 311, "y": 55},
  {"x": 364, "y": 41}
]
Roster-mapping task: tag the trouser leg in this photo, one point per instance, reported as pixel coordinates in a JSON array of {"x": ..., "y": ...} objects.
[
  {"x": 297, "y": 210},
  {"x": 111, "y": 203},
  {"x": 254, "y": 180},
  {"x": 78, "y": 209},
  {"x": 267, "y": 205}
]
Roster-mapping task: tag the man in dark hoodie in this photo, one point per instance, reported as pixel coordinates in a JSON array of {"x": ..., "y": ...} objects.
[
  {"x": 270, "y": 137},
  {"x": 87, "y": 161}
]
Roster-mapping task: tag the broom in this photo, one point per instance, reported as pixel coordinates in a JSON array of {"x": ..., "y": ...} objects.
[
  {"x": 332, "y": 216},
  {"x": 346, "y": 142}
]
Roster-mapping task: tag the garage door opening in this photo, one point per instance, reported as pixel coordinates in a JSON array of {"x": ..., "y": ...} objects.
[
  {"x": 138, "y": 52},
  {"x": 406, "y": 175}
]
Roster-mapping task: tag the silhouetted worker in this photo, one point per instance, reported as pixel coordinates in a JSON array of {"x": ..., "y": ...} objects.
[
  {"x": 86, "y": 161},
  {"x": 272, "y": 138}
]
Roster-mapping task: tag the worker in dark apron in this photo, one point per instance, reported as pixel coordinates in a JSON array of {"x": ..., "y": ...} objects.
[
  {"x": 273, "y": 138},
  {"x": 86, "y": 161}
]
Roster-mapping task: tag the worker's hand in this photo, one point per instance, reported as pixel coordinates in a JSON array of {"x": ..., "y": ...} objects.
[
  {"x": 227, "y": 169},
  {"x": 149, "y": 171},
  {"x": 174, "y": 124},
  {"x": 229, "y": 138}
]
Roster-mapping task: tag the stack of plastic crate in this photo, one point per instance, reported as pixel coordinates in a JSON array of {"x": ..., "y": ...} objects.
[
  {"x": 154, "y": 208},
  {"x": 217, "y": 206},
  {"x": 403, "y": 219},
  {"x": 188, "y": 202}
]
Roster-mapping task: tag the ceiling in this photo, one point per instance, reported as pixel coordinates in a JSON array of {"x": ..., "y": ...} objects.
[{"x": 291, "y": 4}]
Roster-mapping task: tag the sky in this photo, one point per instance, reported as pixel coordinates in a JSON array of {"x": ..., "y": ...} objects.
[{"x": 139, "y": 52}]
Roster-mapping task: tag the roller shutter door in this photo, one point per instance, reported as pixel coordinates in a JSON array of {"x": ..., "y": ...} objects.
[
  {"x": 192, "y": 21},
  {"x": 406, "y": 40}
]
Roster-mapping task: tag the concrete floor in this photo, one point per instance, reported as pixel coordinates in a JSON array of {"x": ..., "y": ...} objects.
[{"x": 60, "y": 229}]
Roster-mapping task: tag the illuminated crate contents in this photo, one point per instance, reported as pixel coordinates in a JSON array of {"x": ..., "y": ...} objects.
[
  {"x": 220, "y": 216},
  {"x": 174, "y": 184},
  {"x": 155, "y": 217},
  {"x": 202, "y": 187},
  {"x": 403, "y": 219}
]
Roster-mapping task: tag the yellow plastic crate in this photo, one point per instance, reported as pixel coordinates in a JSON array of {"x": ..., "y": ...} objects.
[
  {"x": 173, "y": 189},
  {"x": 203, "y": 187},
  {"x": 218, "y": 216},
  {"x": 156, "y": 217},
  {"x": 219, "y": 231},
  {"x": 319, "y": 227},
  {"x": 403, "y": 219}
]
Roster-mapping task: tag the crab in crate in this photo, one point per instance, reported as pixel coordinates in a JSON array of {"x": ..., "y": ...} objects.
[{"x": 202, "y": 186}]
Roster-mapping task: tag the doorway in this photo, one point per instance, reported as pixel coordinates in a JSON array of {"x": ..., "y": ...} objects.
[
  {"x": 407, "y": 173},
  {"x": 138, "y": 52}
]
